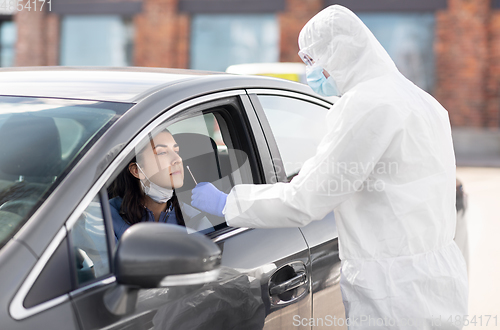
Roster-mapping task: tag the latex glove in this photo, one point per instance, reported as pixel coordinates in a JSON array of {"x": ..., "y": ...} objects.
[{"x": 206, "y": 197}]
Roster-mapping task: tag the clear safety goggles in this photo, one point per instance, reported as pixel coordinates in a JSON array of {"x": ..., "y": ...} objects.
[{"x": 306, "y": 58}]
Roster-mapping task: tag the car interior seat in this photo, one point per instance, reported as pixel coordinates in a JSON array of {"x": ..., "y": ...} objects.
[
  {"x": 199, "y": 152},
  {"x": 30, "y": 159},
  {"x": 30, "y": 150}
]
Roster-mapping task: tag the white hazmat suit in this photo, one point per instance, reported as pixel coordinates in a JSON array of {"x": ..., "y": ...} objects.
[{"x": 387, "y": 169}]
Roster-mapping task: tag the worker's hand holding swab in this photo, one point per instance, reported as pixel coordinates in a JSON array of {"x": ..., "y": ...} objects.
[{"x": 206, "y": 197}]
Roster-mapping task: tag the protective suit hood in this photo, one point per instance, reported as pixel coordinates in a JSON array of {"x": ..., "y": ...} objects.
[{"x": 337, "y": 40}]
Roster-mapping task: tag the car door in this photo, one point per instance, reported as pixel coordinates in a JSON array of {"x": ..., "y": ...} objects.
[
  {"x": 294, "y": 124},
  {"x": 265, "y": 274}
]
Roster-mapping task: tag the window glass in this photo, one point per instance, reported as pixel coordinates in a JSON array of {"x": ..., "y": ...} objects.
[
  {"x": 103, "y": 40},
  {"x": 218, "y": 41},
  {"x": 40, "y": 138},
  {"x": 70, "y": 131},
  {"x": 88, "y": 237},
  {"x": 409, "y": 40},
  {"x": 8, "y": 37},
  {"x": 298, "y": 127},
  {"x": 178, "y": 154},
  {"x": 205, "y": 124}
]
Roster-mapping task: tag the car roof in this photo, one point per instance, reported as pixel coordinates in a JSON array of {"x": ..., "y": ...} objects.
[
  {"x": 118, "y": 84},
  {"x": 129, "y": 84},
  {"x": 263, "y": 68}
]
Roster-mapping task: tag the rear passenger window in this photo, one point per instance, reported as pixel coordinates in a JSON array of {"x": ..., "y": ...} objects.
[{"x": 298, "y": 126}]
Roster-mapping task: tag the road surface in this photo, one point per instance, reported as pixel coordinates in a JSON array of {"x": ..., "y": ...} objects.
[{"x": 483, "y": 220}]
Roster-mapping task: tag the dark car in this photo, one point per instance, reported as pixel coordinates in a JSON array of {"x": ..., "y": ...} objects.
[{"x": 65, "y": 135}]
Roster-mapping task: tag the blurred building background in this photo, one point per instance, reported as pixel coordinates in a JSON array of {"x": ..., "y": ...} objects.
[{"x": 450, "y": 48}]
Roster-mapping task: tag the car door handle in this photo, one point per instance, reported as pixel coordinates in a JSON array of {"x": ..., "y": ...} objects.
[{"x": 293, "y": 283}]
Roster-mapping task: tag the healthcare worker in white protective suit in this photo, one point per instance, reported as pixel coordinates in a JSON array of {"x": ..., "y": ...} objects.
[{"x": 388, "y": 171}]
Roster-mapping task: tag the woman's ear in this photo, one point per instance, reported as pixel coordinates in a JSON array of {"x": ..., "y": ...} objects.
[{"x": 134, "y": 170}]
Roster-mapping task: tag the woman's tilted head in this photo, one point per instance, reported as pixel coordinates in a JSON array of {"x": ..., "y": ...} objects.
[
  {"x": 155, "y": 172},
  {"x": 158, "y": 162}
]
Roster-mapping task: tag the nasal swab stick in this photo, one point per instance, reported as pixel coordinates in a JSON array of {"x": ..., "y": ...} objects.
[{"x": 187, "y": 166}]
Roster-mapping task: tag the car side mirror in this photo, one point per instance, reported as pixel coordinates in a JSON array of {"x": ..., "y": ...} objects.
[{"x": 153, "y": 255}]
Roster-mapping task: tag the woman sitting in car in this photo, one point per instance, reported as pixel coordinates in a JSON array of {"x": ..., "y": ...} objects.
[{"x": 145, "y": 189}]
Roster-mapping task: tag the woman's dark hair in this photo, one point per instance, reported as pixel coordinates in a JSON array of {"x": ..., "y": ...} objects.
[{"x": 128, "y": 187}]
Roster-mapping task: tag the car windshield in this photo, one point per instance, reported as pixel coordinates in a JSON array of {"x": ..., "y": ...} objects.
[{"x": 40, "y": 140}]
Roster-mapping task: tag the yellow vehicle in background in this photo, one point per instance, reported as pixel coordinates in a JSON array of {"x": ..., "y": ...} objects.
[{"x": 289, "y": 71}]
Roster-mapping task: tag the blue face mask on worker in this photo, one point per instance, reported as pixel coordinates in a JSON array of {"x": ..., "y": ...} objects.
[{"x": 319, "y": 83}]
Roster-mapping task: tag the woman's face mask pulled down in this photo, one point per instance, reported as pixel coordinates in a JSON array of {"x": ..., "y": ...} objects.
[{"x": 159, "y": 167}]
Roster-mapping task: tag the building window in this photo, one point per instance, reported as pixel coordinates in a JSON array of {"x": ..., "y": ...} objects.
[
  {"x": 409, "y": 40},
  {"x": 8, "y": 36},
  {"x": 218, "y": 41},
  {"x": 104, "y": 40}
]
